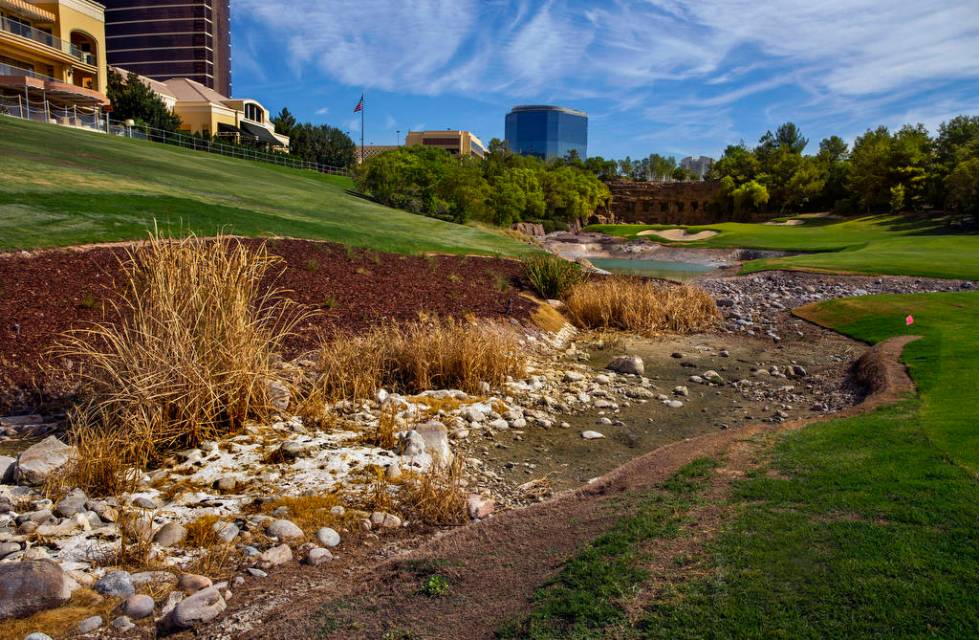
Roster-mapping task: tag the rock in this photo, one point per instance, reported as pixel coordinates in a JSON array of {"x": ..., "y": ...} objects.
[
  {"x": 674, "y": 404},
  {"x": 713, "y": 377},
  {"x": 227, "y": 484},
  {"x": 192, "y": 583},
  {"x": 279, "y": 394},
  {"x": 122, "y": 624},
  {"x": 138, "y": 606},
  {"x": 71, "y": 504},
  {"x": 227, "y": 531},
  {"x": 385, "y": 520},
  {"x": 257, "y": 573},
  {"x": 285, "y": 530},
  {"x": 6, "y": 548},
  {"x": 393, "y": 472},
  {"x": 479, "y": 507},
  {"x": 27, "y": 587},
  {"x": 36, "y": 463},
  {"x": 436, "y": 438},
  {"x": 328, "y": 537},
  {"x": 411, "y": 445},
  {"x": 573, "y": 376},
  {"x": 7, "y": 465},
  {"x": 144, "y": 502},
  {"x": 591, "y": 435},
  {"x": 318, "y": 556},
  {"x": 200, "y": 608},
  {"x": 681, "y": 391},
  {"x": 275, "y": 556},
  {"x": 117, "y": 584},
  {"x": 676, "y": 355},
  {"x": 170, "y": 534},
  {"x": 627, "y": 364},
  {"x": 797, "y": 371},
  {"x": 145, "y": 578},
  {"x": 88, "y": 625},
  {"x": 37, "y": 635}
]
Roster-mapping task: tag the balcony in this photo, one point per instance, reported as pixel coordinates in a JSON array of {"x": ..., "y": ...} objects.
[
  {"x": 24, "y": 31},
  {"x": 20, "y": 79}
]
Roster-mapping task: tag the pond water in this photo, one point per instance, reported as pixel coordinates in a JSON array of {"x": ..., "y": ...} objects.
[{"x": 654, "y": 268}]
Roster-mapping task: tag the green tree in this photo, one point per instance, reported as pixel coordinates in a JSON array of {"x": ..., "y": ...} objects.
[
  {"x": 133, "y": 100},
  {"x": 870, "y": 180},
  {"x": 962, "y": 186},
  {"x": 322, "y": 144},
  {"x": 285, "y": 122}
]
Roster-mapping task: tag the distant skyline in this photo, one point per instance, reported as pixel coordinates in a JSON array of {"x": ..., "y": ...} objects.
[{"x": 655, "y": 76}]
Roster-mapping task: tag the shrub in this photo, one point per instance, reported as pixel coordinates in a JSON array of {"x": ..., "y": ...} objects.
[
  {"x": 420, "y": 355},
  {"x": 192, "y": 354},
  {"x": 435, "y": 586},
  {"x": 437, "y": 494},
  {"x": 551, "y": 276},
  {"x": 634, "y": 304}
]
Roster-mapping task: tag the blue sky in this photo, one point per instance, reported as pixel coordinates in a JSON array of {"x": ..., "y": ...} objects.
[{"x": 663, "y": 76}]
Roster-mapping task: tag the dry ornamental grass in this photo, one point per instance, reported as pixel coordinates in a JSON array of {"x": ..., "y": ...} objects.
[
  {"x": 190, "y": 359},
  {"x": 640, "y": 306}
]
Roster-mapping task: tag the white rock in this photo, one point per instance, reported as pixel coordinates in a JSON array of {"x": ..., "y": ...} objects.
[
  {"x": 591, "y": 435},
  {"x": 285, "y": 530},
  {"x": 328, "y": 537}
]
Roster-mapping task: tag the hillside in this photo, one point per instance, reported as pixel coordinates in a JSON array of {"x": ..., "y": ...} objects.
[{"x": 66, "y": 187}]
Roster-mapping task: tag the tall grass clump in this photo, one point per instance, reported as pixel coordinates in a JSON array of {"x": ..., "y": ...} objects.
[
  {"x": 640, "y": 306},
  {"x": 416, "y": 356},
  {"x": 191, "y": 354},
  {"x": 551, "y": 276},
  {"x": 437, "y": 495}
]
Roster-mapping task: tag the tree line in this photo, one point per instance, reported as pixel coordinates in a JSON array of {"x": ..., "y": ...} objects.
[
  {"x": 501, "y": 188},
  {"x": 906, "y": 170}
]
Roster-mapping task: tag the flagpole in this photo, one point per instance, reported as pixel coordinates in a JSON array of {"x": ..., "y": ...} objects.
[{"x": 363, "y": 101}]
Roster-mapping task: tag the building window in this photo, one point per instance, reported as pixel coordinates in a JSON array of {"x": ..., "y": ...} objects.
[{"x": 254, "y": 113}]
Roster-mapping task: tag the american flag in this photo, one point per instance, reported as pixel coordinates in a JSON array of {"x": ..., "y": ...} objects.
[{"x": 360, "y": 105}]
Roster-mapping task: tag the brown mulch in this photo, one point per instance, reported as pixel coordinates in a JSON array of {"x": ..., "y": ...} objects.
[
  {"x": 45, "y": 293},
  {"x": 494, "y": 567}
]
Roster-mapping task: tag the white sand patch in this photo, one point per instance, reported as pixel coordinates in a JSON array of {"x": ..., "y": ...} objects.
[
  {"x": 678, "y": 235},
  {"x": 794, "y": 222}
]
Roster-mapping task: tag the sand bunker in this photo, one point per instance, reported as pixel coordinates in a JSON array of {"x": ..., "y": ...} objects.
[
  {"x": 794, "y": 222},
  {"x": 678, "y": 235}
]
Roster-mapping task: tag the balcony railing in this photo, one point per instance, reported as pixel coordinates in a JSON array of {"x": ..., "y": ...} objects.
[
  {"x": 8, "y": 70},
  {"x": 25, "y": 31}
]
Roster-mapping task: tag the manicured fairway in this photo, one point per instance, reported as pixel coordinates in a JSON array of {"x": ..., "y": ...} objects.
[
  {"x": 876, "y": 244},
  {"x": 865, "y": 527},
  {"x": 62, "y": 187}
]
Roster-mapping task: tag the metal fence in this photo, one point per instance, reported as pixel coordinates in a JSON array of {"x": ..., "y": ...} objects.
[{"x": 45, "y": 111}]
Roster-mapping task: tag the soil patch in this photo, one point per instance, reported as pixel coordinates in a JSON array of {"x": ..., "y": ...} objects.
[{"x": 45, "y": 293}]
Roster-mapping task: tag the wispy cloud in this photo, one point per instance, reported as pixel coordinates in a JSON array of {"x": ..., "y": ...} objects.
[{"x": 841, "y": 59}]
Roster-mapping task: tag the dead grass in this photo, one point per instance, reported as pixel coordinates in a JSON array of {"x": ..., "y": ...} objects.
[
  {"x": 201, "y": 533},
  {"x": 437, "y": 495},
  {"x": 425, "y": 354},
  {"x": 309, "y": 513},
  {"x": 192, "y": 355},
  {"x": 640, "y": 306},
  {"x": 547, "y": 318},
  {"x": 61, "y": 622},
  {"x": 135, "y": 544}
]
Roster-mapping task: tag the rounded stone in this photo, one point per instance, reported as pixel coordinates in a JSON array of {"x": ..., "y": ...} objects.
[
  {"x": 138, "y": 606},
  {"x": 192, "y": 583},
  {"x": 328, "y": 537},
  {"x": 285, "y": 530},
  {"x": 88, "y": 625},
  {"x": 170, "y": 534},
  {"x": 318, "y": 556},
  {"x": 117, "y": 584}
]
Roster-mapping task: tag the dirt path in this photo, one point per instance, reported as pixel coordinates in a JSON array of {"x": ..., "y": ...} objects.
[{"x": 495, "y": 566}]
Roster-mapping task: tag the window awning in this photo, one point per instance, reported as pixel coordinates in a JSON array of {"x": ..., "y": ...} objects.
[
  {"x": 228, "y": 128},
  {"x": 26, "y": 9},
  {"x": 260, "y": 133}
]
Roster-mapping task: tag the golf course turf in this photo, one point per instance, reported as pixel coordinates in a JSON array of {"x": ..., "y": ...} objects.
[
  {"x": 67, "y": 187},
  {"x": 871, "y": 244},
  {"x": 864, "y": 527}
]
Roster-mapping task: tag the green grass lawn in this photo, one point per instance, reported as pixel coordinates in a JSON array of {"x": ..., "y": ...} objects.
[
  {"x": 875, "y": 244},
  {"x": 865, "y": 527},
  {"x": 63, "y": 187}
]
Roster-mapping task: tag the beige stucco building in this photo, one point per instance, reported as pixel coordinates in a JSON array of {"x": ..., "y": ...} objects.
[
  {"x": 53, "y": 53},
  {"x": 461, "y": 143}
]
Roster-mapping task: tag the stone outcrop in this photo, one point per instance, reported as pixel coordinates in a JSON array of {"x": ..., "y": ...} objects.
[
  {"x": 31, "y": 586},
  {"x": 41, "y": 460}
]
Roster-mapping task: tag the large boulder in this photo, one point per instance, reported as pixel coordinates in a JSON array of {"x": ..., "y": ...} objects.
[
  {"x": 628, "y": 364},
  {"x": 198, "y": 609},
  {"x": 41, "y": 460},
  {"x": 170, "y": 534},
  {"x": 7, "y": 466},
  {"x": 31, "y": 586},
  {"x": 285, "y": 530},
  {"x": 436, "y": 438}
]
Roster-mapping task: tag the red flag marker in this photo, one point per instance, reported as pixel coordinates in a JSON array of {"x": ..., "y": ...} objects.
[{"x": 909, "y": 320}]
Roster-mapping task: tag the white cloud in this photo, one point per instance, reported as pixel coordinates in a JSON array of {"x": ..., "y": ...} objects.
[{"x": 322, "y": 111}]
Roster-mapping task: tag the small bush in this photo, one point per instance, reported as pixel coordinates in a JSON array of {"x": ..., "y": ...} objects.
[
  {"x": 437, "y": 495},
  {"x": 420, "y": 355},
  {"x": 435, "y": 586},
  {"x": 551, "y": 276},
  {"x": 640, "y": 306}
]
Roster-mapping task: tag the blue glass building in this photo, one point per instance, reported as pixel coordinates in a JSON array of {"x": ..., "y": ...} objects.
[{"x": 547, "y": 131}]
